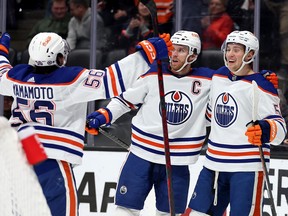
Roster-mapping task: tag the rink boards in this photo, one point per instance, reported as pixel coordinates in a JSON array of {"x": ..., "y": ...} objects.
[{"x": 97, "y": 177}]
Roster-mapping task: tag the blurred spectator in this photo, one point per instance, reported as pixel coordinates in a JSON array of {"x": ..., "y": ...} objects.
[
  {"x": 139, "y": 28},
  {"x": 79, "y": 28},
  {"x": 57, "y": 22},
  {"x": 116, "y": 11},
  {"x": 165, "y": 15},
  {"x": 241, "y": 12},
  {"x": 217, "y": 25},
  {"x": 280, "y": 9},
  {"x": 115, "y": 14},
  {"x": 191, "y": 19},
  {"x": 245, "y": 20}
]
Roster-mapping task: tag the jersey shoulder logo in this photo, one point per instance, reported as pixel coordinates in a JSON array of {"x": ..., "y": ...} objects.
[
  {"x": 226, "y": 110},
  {"x": 178, "y": 107}
]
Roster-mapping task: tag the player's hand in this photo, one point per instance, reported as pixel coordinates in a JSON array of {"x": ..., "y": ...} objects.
[
  {"x": 262, "y": 131},
  {"x": 254, "y": 134},
  {"x": 156, "y": 48},
  {"x": 96, "y": 119},
  {"x": 273, "y": 78},
  {"x": 4, "y": 44},
  {"x": 166, "y": 38},
  {"x": 90, "y": 130},
  {"x": 270, "y": 76}
]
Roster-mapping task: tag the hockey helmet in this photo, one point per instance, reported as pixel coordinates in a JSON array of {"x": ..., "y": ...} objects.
[
  {"x": 247, "y": 39},
  {"x": 45, "y": 47},
  {"x": 188, "y": 38}
]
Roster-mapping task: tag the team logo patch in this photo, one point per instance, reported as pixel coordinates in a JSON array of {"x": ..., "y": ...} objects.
[
  {"x": 226, "y": 110},
  {"x": 123, "y": 189},
  {"x": 178, "y": 107}
]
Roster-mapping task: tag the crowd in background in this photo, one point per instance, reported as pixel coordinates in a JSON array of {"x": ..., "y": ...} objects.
[{"x": 121, "y": 24}]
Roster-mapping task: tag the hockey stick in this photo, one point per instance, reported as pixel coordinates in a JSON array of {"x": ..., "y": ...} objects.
[
  {"x": 150, "y": 4},
  {"x": 110, "y": 136},
  {"x": 114, "y": 138},
  {"x": 254, "y": 118}
]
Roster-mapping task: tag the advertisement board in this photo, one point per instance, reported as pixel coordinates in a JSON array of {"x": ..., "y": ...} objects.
[{"x": 97, "y": 179}]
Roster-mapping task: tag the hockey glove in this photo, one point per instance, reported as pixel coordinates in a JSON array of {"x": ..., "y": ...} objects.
[
  {"x": 270, "y": 76},
  {"x": 156, "y": 48},
  {"x": 4, "y": 44},
  {"x": 263, "y": 131},
  {"x": 96, "y": 119}
]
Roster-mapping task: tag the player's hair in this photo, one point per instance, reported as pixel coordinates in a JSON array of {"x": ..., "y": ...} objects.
[{"x": 45, "y": 70}]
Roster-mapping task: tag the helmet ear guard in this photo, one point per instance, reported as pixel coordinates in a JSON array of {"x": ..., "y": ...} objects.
[{"x": 45, "y": 48}]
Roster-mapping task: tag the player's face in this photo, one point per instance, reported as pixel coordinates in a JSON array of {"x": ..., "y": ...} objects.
[
  {"x": 234, "y": 56},
  {"x": 178, "y": 57}
]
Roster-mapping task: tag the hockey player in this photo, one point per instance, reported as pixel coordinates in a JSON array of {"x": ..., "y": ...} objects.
[
  {"x": 186, "y": 96},
  {"x": 232, "y": 171},
  {"x": 53, "y": 98}
]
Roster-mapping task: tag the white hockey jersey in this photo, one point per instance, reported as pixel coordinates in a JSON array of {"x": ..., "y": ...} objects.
[
  {"x": 56, "y": 103},
  {"x": 186, "y": 101},
  {"x": 231, "y": 109}
]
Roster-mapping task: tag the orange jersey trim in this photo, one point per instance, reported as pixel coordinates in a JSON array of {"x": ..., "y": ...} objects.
[
  {"x": 71, "y": 188},
  {"x": 236, "y": 154},
  {"x": 158, "y": 145},
  {"x": 72, "y": 142},
  {"x": 113, "y": 81}
]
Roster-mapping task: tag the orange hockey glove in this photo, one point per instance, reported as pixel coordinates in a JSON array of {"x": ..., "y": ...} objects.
[
  {"x": 270, "y": 76},
  {"x": 254, "y": 134},
  {"x": 96, "y": 119},
  {"x": 263, "y": 131},
  {"x": 155, "y": 48},
  {"x": 90, "y": 130},
  {"x": 166, "y": 38}
]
